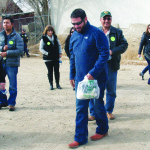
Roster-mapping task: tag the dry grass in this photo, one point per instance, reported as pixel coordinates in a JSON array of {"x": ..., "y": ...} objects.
[
  {"x": 132, "y": 34},
  {"x": 34, "y": 49}
]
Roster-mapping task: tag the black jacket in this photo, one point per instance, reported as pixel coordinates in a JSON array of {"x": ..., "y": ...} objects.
[
  {"x": 24, "y": 37},
  {"x": 118, "y": 45},
  {"x": 145, "y": 42},
  {"x": 53, "y": 50},
  {"x": 67, "y": 42}
]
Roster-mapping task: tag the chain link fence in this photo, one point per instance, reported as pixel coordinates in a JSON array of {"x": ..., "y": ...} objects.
[{"x": 33, "y": 25}]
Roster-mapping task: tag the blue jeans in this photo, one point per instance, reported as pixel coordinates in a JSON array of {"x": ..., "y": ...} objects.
[
  {"x": 148, "y": 61},
  {"x": 110, "y": 92},
  {"x": 81, "y": 131},
  {"x": 11, "y": 72},
  {"x": 145, "y": 70},
  {"x": 25, "y": 49}
]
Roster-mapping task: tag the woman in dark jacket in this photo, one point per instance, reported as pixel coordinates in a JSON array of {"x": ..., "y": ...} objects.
[
  {"x": 51, "y": 50},
  {"x": 67, "y": 42},
  {"x": 145, "y": 42}
]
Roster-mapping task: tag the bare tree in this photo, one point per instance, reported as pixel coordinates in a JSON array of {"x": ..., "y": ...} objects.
[
  {"x": 59, "y": 7},
  {"x": 45, "y": 11},
  {"x": 41, "y": 9},
  {"x": 54, "y": 9}
]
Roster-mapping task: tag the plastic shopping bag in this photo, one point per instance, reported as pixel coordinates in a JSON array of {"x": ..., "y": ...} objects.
[{"x": 88, "y": 89}]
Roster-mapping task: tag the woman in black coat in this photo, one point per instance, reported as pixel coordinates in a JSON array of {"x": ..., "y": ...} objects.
[
  {"x": 145, "y": 42},
  {"x": 67, "y": 42},
  {"x": 51, "y": 49}
]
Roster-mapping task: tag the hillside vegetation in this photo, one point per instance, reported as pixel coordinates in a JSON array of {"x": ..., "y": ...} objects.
[{"x": 133, "y": 35}]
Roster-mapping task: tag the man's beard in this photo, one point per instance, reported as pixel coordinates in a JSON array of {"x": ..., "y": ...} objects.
[{"x": 82, "y": 28}]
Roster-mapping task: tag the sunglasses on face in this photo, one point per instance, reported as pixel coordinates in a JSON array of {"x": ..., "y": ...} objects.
[
  {"x": 78, "y": 23},
  {"x": 71, "y": 31},
  {"x": 109, "y": 18}
]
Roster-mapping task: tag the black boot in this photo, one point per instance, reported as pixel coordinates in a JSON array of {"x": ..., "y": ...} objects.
[
  {"x": 50, "y": 82},
  {"x": 51, "y": 87},
  {"x": 58, "y": 86}
]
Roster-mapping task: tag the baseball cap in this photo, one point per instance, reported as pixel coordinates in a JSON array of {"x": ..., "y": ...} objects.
[
  {"x": 23, "y": 30},
  {"x": 105, "y": 13}
]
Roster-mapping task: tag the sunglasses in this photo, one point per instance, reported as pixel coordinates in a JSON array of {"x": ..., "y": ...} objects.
[
  {"x": 71, "y": 31},
  {"x": 107, "y": 18},
  {"x": 78, "y": 23}
]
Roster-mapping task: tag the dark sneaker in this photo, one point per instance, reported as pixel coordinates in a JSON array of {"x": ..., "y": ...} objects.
[
  {"x": 142, "y": 75},
  {"x": 11, "y": 108},
  {"x": 59, "y": 87}
]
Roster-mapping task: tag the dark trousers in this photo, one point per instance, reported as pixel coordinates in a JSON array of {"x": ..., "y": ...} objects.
[
  {"x": 50, "y": 66},
  {"x": 25, "y": 49}
]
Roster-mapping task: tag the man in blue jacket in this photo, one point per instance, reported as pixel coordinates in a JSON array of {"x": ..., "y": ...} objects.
[
  {"x": 118, "y": 45},
  {"x": 11, "y": 48},
  {"x": 89, "y": 51}
]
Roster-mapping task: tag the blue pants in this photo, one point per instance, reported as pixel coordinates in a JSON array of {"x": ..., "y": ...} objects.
[
  {"x": 12, "y": 76},
  {"x": 25, "y": 49},
  {"x": 148, "y": 61},
  {"x": 81, "y": 131},
  {"x": 110, "y": 92},
  {"x": 145, "y": 70}
]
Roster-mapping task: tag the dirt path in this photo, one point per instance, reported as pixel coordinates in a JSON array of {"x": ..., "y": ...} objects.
[{"x": 45, "y": 120}]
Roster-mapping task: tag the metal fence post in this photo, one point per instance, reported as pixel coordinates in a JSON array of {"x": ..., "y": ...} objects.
[{"x": 35, "y": 29}]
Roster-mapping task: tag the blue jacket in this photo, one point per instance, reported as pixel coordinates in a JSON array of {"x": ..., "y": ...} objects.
[
  {"x": 15, "y": 47},
  {"x": 89, "y": 54}
]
